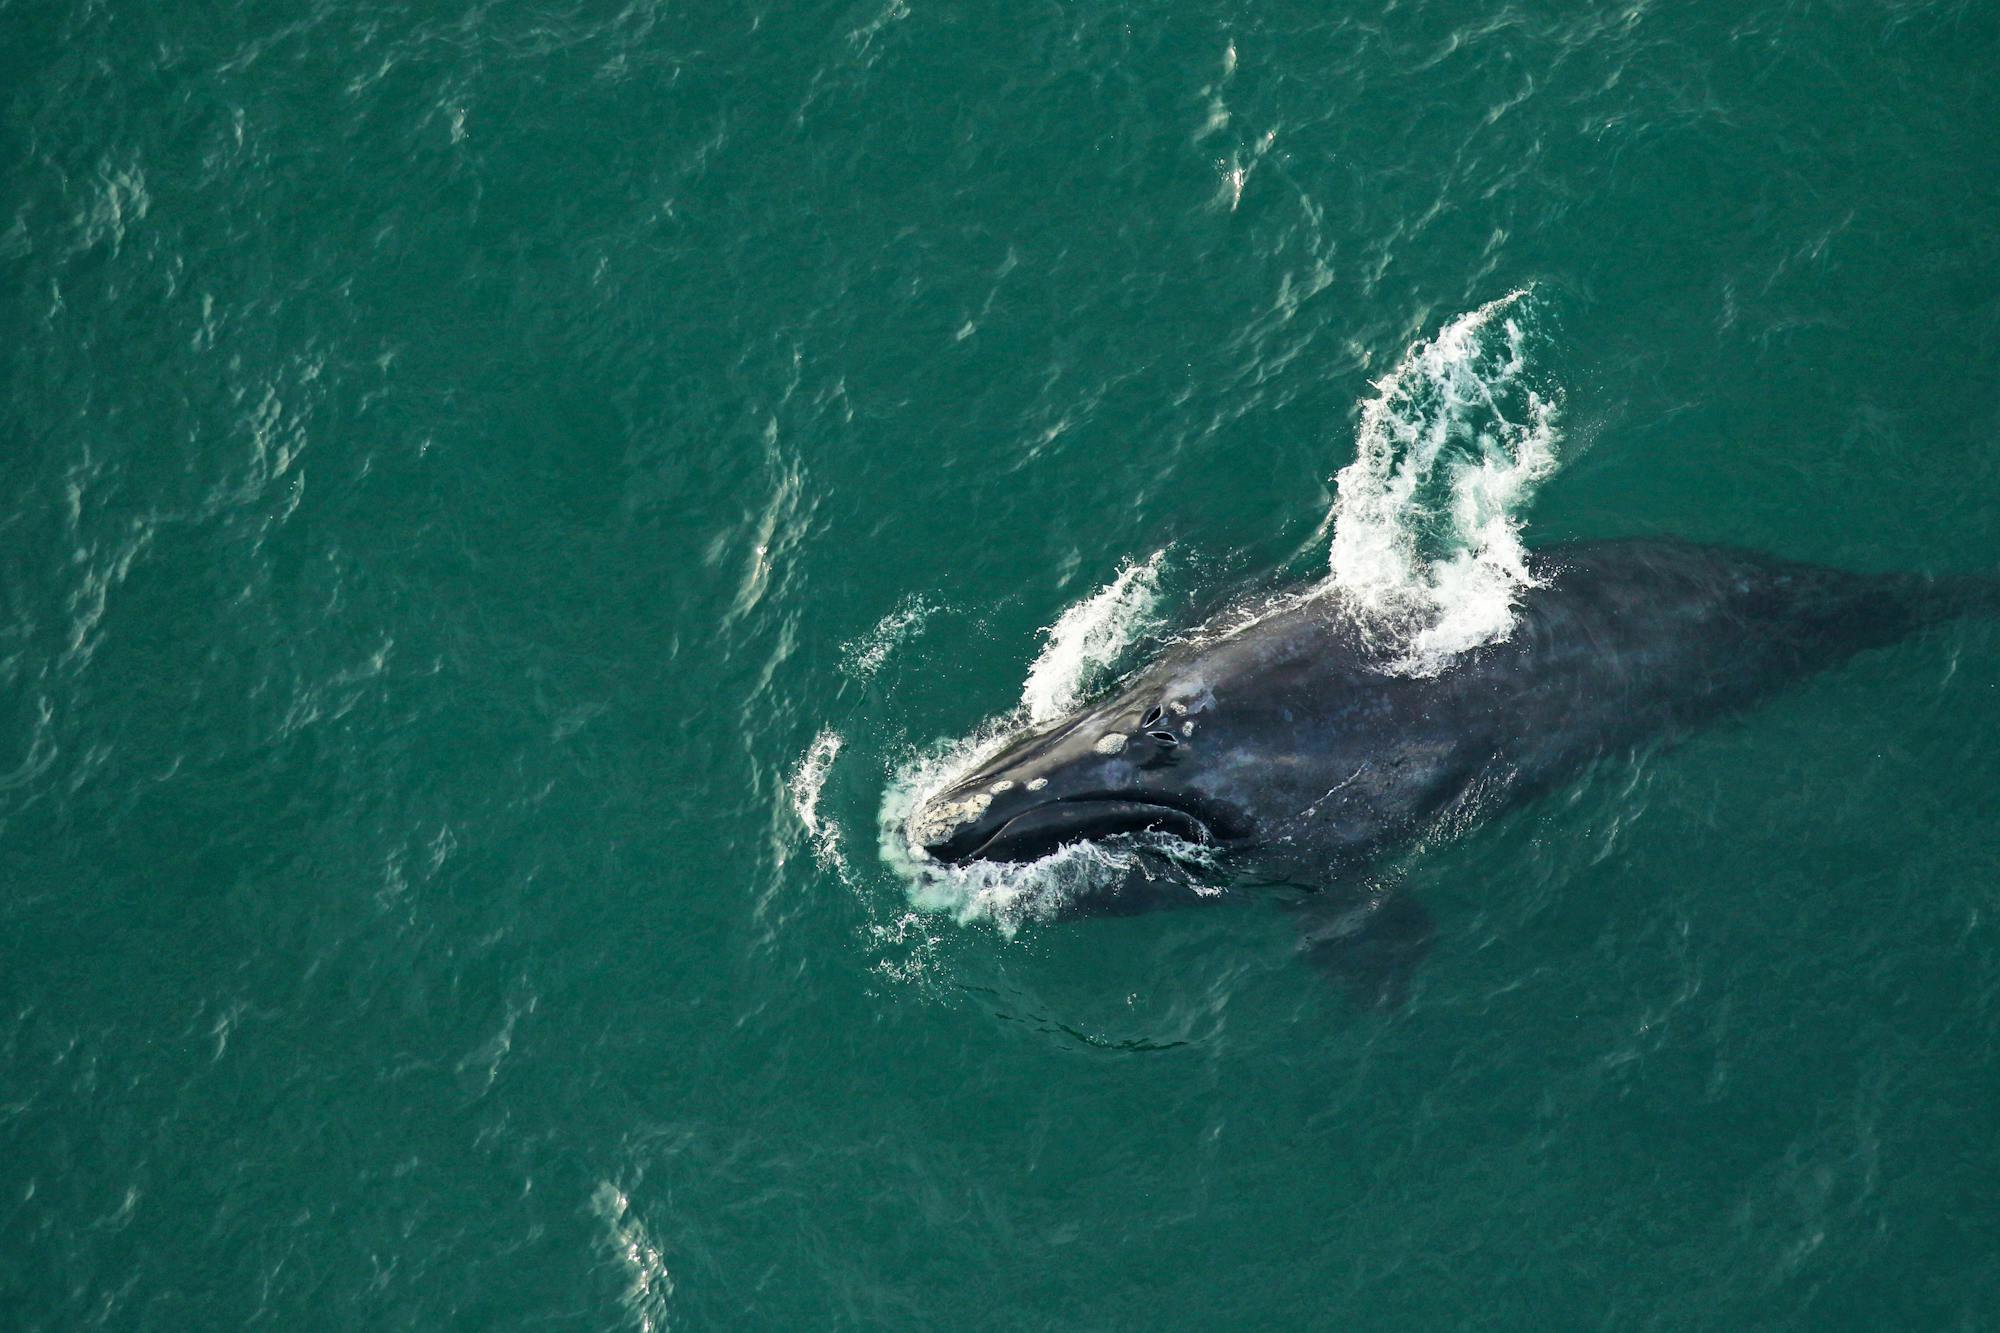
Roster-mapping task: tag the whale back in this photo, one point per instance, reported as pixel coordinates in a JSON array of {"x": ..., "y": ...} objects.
[
  {"x": 1628, "y": 641},
  {"x": 1335, "y": 756}
]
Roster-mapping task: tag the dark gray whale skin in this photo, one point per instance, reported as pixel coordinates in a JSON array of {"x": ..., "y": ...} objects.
[{"x": 1289, "y": 749}]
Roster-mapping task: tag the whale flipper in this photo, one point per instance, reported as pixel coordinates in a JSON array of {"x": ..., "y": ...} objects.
[{"x": 1370, "y": 947}]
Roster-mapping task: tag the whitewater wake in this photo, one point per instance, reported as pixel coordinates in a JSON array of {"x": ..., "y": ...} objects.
[{"x": 1426, "y": 549}]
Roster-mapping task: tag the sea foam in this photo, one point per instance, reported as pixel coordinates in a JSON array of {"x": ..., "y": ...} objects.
[
  {"x": 804, "y": 786},
  {"x": 1426, "y": 549}
]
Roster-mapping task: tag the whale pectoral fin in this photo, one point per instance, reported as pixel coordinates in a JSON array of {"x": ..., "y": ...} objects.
[{"x": 1370, "y": 947}]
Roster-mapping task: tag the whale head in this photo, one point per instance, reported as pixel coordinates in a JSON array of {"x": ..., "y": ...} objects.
[{"x": 1133, "y": 764}]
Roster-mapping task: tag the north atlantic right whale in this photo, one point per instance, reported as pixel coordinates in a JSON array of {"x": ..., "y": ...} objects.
[{"x": 1290, "y": 750}]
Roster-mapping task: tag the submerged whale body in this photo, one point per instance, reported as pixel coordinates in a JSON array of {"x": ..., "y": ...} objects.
[{"x": 1291, "y": 752}]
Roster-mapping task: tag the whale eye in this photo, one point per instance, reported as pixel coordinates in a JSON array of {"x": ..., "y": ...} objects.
[
  {"x": 1166, "y": 738},
  {"x": 1152, "y": 717}
]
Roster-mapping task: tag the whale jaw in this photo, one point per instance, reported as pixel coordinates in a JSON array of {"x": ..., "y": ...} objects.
[
  {"x": 1042, "y": 829},
  {"x": 970, "y": 824}
]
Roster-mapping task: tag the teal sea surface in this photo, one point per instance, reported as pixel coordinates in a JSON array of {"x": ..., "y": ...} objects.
[{"x": 504, "y": 506}]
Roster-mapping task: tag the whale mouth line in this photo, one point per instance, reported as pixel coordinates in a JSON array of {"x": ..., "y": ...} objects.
[{"x": 1042, "y": 829}]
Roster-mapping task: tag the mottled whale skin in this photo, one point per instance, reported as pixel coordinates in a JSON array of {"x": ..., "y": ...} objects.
[{"x": 1290, "y": 749}]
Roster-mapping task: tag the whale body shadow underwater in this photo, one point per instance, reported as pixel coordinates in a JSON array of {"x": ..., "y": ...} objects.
[{"x": 1291, "y": 750}]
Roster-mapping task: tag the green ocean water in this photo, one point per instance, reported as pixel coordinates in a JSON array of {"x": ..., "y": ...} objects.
[{"x": 497, "y": 500}]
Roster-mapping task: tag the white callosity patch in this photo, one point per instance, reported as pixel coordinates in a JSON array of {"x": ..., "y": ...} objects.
[
  {"x": 934, "y": 821},
  {"x": 1426, "y": 542},
  {"x": 1111, "y": 742}
]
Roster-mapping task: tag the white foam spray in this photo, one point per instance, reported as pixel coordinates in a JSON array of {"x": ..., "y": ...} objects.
[
  {"x": 804, "y": 785},
  {"x": 864, "y": 656},
  {"x": 1079, "y": 649},
  {"x": 1426, "y": 543}
]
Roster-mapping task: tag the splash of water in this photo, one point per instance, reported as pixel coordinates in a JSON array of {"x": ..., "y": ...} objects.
[
  {"x": 863, "y": 657},
  {"x": 1426, "y": 544},
  {"x": 1079, "y": 649},
  {"x": 805, "y": 784}
]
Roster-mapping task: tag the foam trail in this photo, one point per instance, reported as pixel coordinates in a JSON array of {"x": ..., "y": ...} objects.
[
  {"x": 805, "y": 784},
  {"x": 1426, "y": 544},
  {"x": 864, "y": 656},
  {"x": 1078, "y": 652}
]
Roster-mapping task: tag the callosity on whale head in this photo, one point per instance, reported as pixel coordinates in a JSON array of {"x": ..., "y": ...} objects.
[
  {"x": 1225, "y": 741},
  {"x": 1130, "y": 764}
]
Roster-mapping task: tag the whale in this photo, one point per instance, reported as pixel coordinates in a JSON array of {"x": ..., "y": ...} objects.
[{"x": 1291, "y": 744}]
